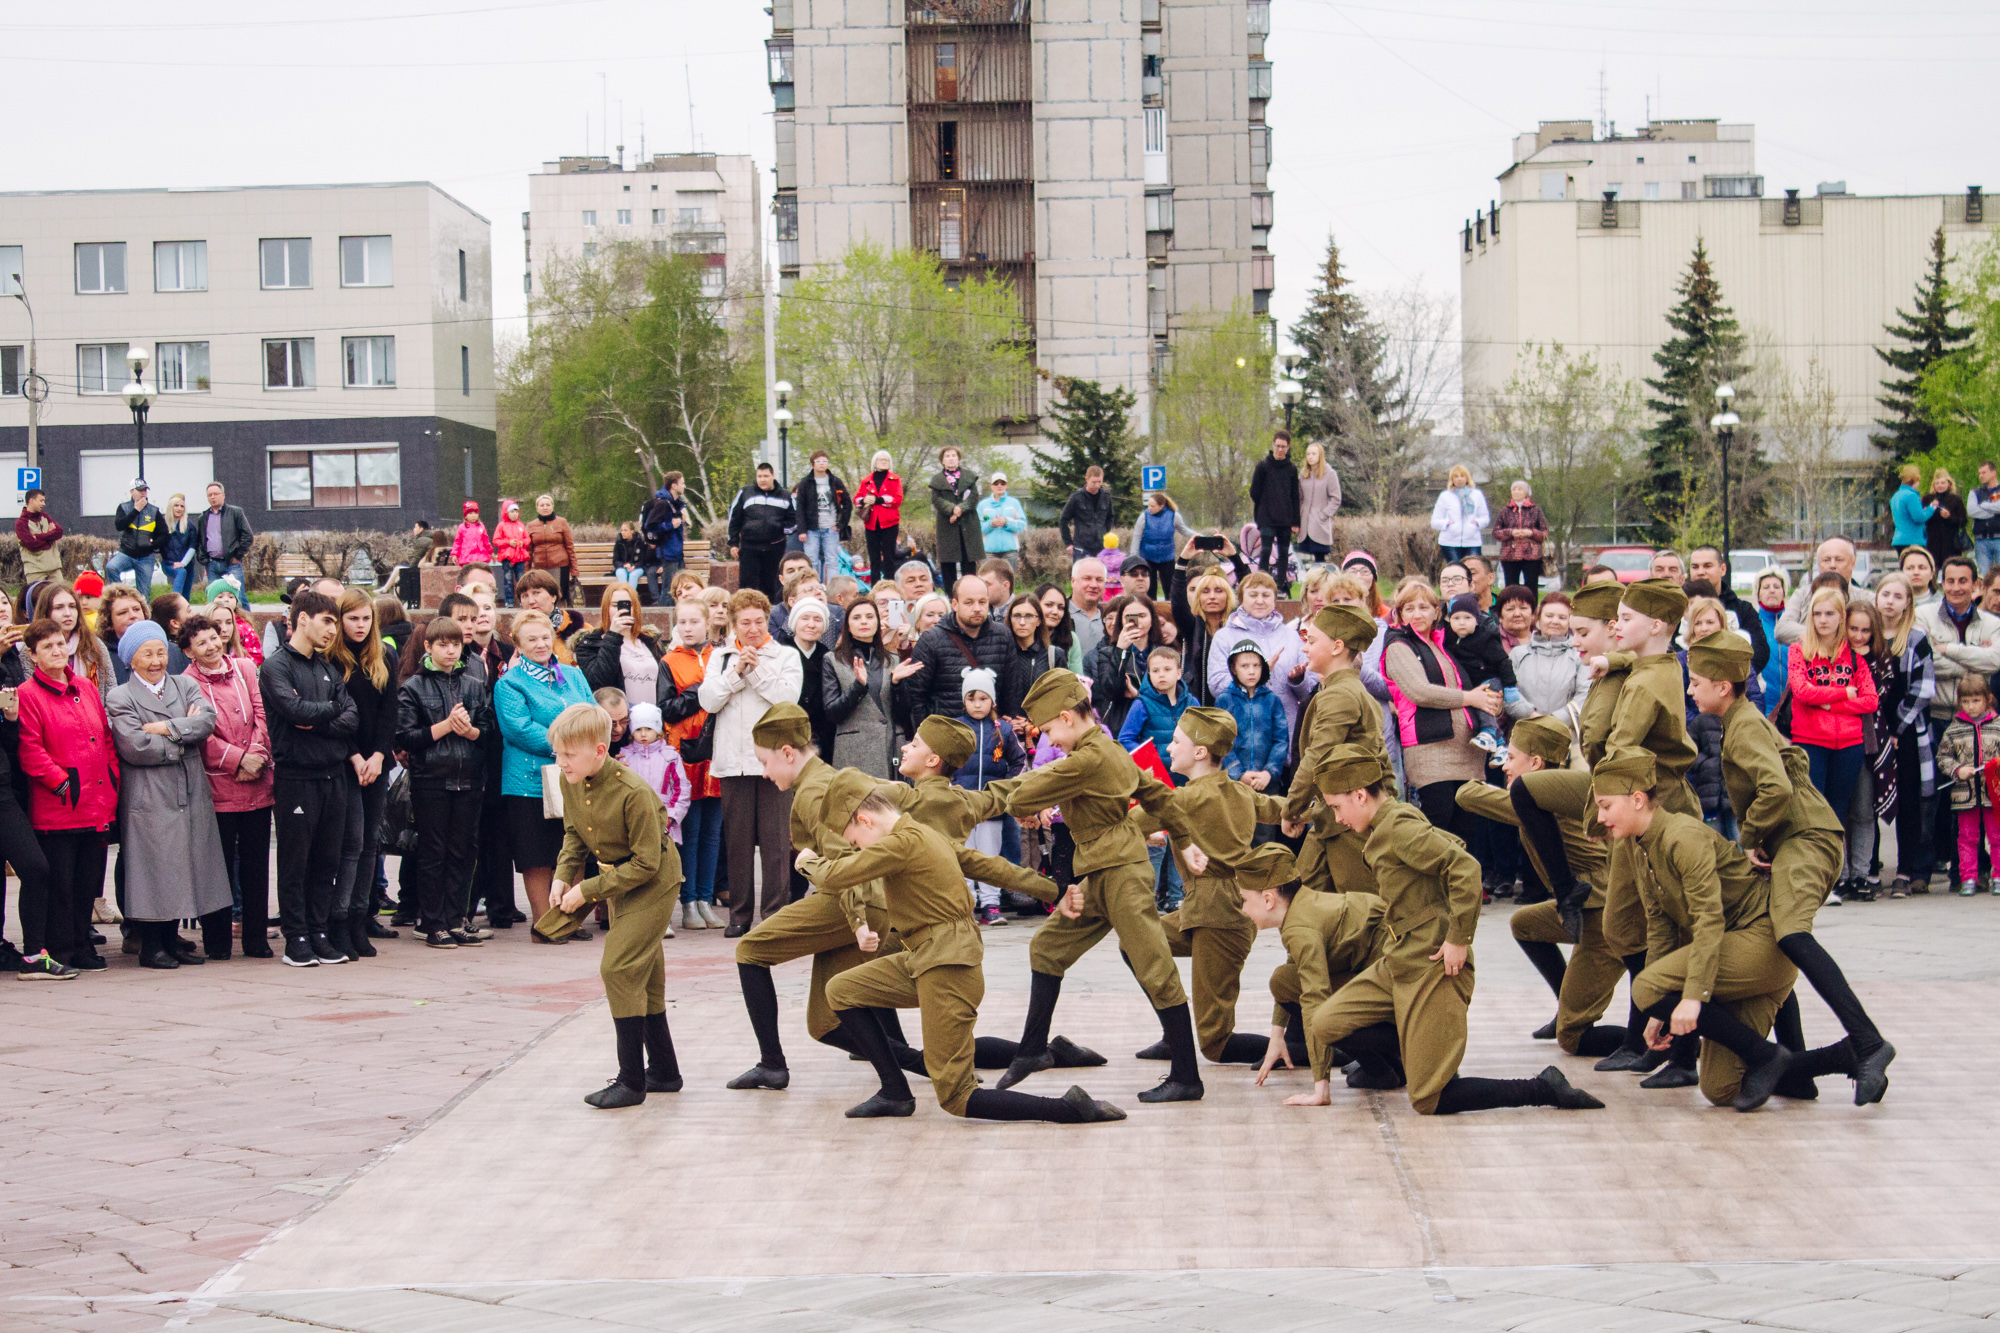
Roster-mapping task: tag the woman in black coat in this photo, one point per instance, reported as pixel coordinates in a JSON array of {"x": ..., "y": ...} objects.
[
  {"x": 1945, "y": 533},
  {"x": 1118, "y": 665},
  {"x": 603, "y": 652},
  {"x": 1032, "y": 647}
]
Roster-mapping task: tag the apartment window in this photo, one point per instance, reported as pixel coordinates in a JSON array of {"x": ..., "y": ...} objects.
[
  {"x": 1652, "y": 189},
  {"x": 1159, "y": 212},
  {"x": 528, "y": 284},
  {"x": 100, "y": 367},
  {"x": 365, "y": 261},
  {"x": 1156, "y": 129},
  {"x": 286, "y": 263},
  {"x": 461, "y": 275},
  {"x": 181, "y": 367},
  {"x": 590, "y": 249},
  {"x": 1687, "y": 189},
  {"x": 779, "y": 55},
  {"x": 1616, "y": 188},
  {"x": 1263, "y": 209},
  {"x": 1263, "y": 272},
  {"x": 713, "y": 280},
  {"x": 180, "y": 266},
  {"x": 1260, "y": 79},
  {"x": 1734, "y": 187},
  {"x": 1260, "y": 17},
  {"x": 947, "y": 71},
  {"x": 344, "y": 477},
  {"x": 10, "y": 269},
  {"x": 590, "y": 217},
  {"x": 100, "y": 267},
  {"x": 624, "y": 217},
  {"x": 370, "y": 362},
  {"x": 690, "y": 217},
  {"x": 659, "y": 217},
  {"x": 465, "y": 371},
  {"x": 12, "y": 363},
  {"x": 288, "y": 363}
]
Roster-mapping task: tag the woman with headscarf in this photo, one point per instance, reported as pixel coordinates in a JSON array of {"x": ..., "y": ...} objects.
[
  {"x": 237, "y": 758},
  {"x": 529, "y": 697}
]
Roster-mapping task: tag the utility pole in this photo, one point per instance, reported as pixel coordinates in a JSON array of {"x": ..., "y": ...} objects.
[
  {"x": 34, "y": 388},
  {"x": 770, "y": 359}
]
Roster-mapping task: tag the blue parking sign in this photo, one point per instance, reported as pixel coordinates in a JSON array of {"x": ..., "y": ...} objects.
[
  {"x": 27, "y": 478},
  {"x": 1153, "y": 478}
]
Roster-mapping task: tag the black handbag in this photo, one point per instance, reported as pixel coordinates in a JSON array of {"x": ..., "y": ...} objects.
[{"x": 700, "y": 748}]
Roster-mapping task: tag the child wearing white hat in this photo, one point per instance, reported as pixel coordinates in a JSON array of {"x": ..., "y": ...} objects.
[
  {"x": 996, "y": 754},
  {"x": 651, "y": 756}
]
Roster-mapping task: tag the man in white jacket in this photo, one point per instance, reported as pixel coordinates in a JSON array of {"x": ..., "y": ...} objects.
[{"x": 745, "y": 677}]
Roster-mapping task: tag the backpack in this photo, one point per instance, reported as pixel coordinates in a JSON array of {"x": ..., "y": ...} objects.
[{"x": 399, "y": 819}]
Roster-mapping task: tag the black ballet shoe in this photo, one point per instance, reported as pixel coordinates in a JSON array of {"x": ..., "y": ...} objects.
[
  {"x": 1648, "y": 1060},
  {"x": 1546, "y": 1032},
  {"x": 1672, "y": 1076},
  {"x": 654, "y": 1083},
  {"x": 615, "y": 1097},
  {"x": 1797, "y": 1088},
  {"x": 1387, "y": 1080},
  {"x": 1090, "y": 1111},
  {"x": 1873, "y": 1080},
  {"x": 758, "y": 1077},
  {"x": 879, "y": 1107},
  {"x": 1023, "y": 1066},
  {"x": 911, "y": 1060},
  {"x": 1567, "y": 1096},
  {"x": 1159, "y": 1050},
  {"x": 1622, "y": 1060},
  {"x": 1069, "y": 1055},
  {"x": 1761, "y": 1082},
  {"x": 1166, "y": 1090}
]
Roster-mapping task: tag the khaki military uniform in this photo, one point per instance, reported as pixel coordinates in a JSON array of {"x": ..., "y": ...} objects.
[
  {"x": 615, "y": 816},
  {"x": 1093, "y": 786},
  {"x": 1429, "y": 886},
  {"x": 819, "y": 925},
  {"x": 1340, "y": 712},
  {"x": 1708, "y": 936},
  {"x": 937, "y": 969},
  {"x": 1781, "y": 815},
  {"x": 1329, "y": 939},
  {"x": 1651, "y": 715},
  {"x": 1590, "y": 981},
  {"x": 952, "y": 811}
]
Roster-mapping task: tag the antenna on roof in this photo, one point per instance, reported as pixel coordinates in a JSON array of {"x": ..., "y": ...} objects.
[
  {"x": 621, "y": 134},
  {"x": 1603, "y": 110},
  {"x": 694, "y": 140}
]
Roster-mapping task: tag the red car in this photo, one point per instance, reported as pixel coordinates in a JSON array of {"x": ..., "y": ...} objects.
[{"x": 1632, "y": 562}]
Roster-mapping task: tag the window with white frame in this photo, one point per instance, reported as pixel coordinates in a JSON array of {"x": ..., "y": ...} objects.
[
  {"x": 10, "y": 268},
  {"x": 100, "y": 267},
  {"x": 366, "y": 261},
  {"x": 347, "y": 476},
  {"x": 180, "y": 266},
  {"x": 13, "y": 364},
  {"x": 689, "y": 217},
  {"x": 713, "y": 280},
  {"x": 181, "y": 367},
  {"x": 286, "y": 262},
  {"x": 1160, "y": 212},
  {"x": 288, "y": 363},
  {"x": 370, "y": 362},
  {"x": 624, "y": 217},
  {"x": 1156, "y": 129},
  {"x": 659, "y": 217},
  {"x": 100, "y": 367},
  {"x": 590, "y": 217}
]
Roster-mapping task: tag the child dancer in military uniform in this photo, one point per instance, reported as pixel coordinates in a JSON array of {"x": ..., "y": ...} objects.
[
  {"x": 940, "y": 748},
  {"x": 1093, "y": 784},
  {"x": 1411, "y": 1002},
  {"x": 1788, "y": 827},
  {"x": 1340, "y": 712},
  {"x": 611, "y": 813},
  {"x": 937, "y": 970}
]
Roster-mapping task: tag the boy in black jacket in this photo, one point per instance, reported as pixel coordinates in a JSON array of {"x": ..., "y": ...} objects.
[
  {"x": 1473, "y": 642},
  {"x": 444, "y": 712}
]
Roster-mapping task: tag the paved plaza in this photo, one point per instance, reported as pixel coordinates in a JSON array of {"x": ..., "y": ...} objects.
[{"x": 402, "y": 1145}]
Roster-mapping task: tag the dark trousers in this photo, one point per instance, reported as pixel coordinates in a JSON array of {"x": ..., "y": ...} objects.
[
  {"x": 759, "y": 570},
  {"x": 1943, "y": 820},
  {"x": 660, "y": 578},
  {"x": 19, "y": 849},
  {"x": 1913, "y": 844},
  {"x": 447, "y": 832},
  {"x": 312, "y": 826},
  {"x": 1527, "y": 573},
  {"x": 493, "y": 877},
  {"x": 1276, "y": 557},
  {"x": 756, "y": 824},
  {"x": 1439, "y": 802},
  {"x": 882, "y": 555},
  {"x": 60, "y": 920},
  {"x": 246, "y": 844},
  {"x": 360, "y": 843}
]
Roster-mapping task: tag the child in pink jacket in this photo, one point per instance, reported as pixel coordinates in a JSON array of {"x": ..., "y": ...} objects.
[
  {"x": 471, "y": 546},
  {"x": 652, "y": 758}
]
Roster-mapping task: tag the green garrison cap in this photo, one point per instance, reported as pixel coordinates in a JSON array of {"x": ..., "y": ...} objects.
[
  {"x": 950, "y": 740},
  {"x": 849, "y": 788},
  {"x": 1723, "y": 655},
  {"x": 1661, "y": 599},
  {"x": 1543, "y": 736},
  {"x": 1599, "y": 601},
  {"x": 1349, "y": 768},
  {"x": 782, "y": 725},
  {"x": 1351, "y": 625},
  {"x": 1267, "y": 867},
  {"x": 1053, "y": 691},
  {"x": 1211, "y": 728},
  {"x": 1623, "y": 775}
]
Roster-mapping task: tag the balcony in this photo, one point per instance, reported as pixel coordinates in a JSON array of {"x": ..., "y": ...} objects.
[
  {"x": 788, "y": 254},
  {"x": 964, "y": 13},
  {"x": 701, "y": 238}
]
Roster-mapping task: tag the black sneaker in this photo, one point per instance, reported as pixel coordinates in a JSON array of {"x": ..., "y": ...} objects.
[
  {"x": 440, "y": 939},
  {"x": 326, "y": 951},
  {"x": 88, "y": 960},
  {"x": 10, "y": 957},
  {"x": 299, "y": 953},
  {"x": 464, "y": 939},
  {"x": 44, "y": 968}
]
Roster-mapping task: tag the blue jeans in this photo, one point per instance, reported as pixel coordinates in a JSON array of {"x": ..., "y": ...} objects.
[
  {"x": 1167, "y": 896},
  {"x": 630, "y": 576},
  {"x": 1834, "y": 772},
  {"x": 143, "y": 567},
  {"x": 1986, "y": 550},
  {"x": 181, "y": 580},
  {"x": 660, "y": 578},
  {"x": 509, "y": 571},
  {"x": 822, "y": 547},
  {"x": 701, "y": 846},
  {"x": 223, "y": 568}
]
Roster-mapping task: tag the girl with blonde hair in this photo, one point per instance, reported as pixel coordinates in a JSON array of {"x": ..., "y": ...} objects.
[
  {"x": 1905, "y": 684},
  {"x": 1319, "y": 501},
  {"x": 1831, "y": 690}
]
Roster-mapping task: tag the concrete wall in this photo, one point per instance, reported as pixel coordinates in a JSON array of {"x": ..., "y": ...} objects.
[
  {"x": 852, "y": 145},
  {"x": 1207, "y": 94}
]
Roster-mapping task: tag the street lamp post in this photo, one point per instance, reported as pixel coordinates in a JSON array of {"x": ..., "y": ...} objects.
[
  {"x": 1724, "y": 423},
  {"x": 783, "y": 416},
  {"x": 139, "y": 396},
  {"x": 1290, "y": 391},
  {"x": 34, "y": 388}
]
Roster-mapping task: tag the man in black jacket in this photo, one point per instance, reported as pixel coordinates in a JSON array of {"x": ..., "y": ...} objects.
[
  {"x": 444, "y": 717},
  {"x": 1086, "y": 516},
  {"x": 759, "y": 518},
  {"x": 223, "y": 536},
  {"x": 824, "y": 506},
  {"x": 142, "y": 535},
  {"x": 313, "y": 723},
  {"x": 1274, "y": 506},
  {"x": 1705, "y": 565},
  {"x": 965, "y": 638}
]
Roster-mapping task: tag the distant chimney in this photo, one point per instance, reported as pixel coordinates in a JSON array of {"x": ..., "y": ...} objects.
[
  {"x": 1607, "y": 213},
  {"x": 1975, "y": 204},
  {"x": 1493, "y": 214},
  {"x": 1792, "y": 218},
  {"x": 1479, "y": 226}
]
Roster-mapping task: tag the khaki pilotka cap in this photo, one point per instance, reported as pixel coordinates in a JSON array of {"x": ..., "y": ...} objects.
[
  {"x": 1544, "y": 737},
  {"x": 782, "y": 725},
  {"x": 1269, "y": 866},
  {"x": 1658, "y": 598},
  {"x": 1723, "y": 655},
  {"x": 1053, "y": 691},
  {"x": 950, "y": 740},
  {"x": 1599, "y": 601},
  {"x": 849, "y": 788},
  {"x": 1349, "y": 768},
  {"x": 1211, "y": 728},
  {"x": 1628, "y": 773},
  {"x": 1350, "y": 625}
]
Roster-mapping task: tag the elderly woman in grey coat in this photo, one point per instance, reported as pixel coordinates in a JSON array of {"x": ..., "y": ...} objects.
[{"x": 171, "y": 850}]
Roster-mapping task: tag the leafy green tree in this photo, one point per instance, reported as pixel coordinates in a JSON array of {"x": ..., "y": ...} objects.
[
  {"x": 1930, "y": 336},
  {"x": 1092, "y": 428},
  {"x": 1215, "y": 413},
  {"x": 1961, "y": 390},
  {"x": 1707, "y": 349}
]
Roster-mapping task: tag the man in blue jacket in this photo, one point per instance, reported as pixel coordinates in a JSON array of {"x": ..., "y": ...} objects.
[{"x": 663, "y": 523}]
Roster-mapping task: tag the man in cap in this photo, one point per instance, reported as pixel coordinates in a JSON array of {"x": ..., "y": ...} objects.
[
  {"x": 1340, "y": 712},
  {"x": 1789, "y": 829},
  {"x": 1410, "y": 1004},
  {"x": 142, "y": 536},
  {"x": 1713, "y": 967},
  {"x": 1094, "y": 784},
  {"x": 938, "y": 972}
]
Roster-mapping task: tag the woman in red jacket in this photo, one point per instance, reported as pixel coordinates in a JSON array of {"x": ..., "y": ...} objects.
[
  {"x": 67, "y": 753},
  {"x": 1831, "y": 690},
  {"x": 880, "y": 498}
]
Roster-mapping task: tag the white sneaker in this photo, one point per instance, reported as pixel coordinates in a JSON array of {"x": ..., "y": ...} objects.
[
  {"x": 715, "y": 919},
  {"x": 1486, "y": 741},
  {"x": 670, "y": 932}
]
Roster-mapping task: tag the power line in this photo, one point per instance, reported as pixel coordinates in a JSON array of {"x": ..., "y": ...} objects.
[{"x": 343, "y": 20}]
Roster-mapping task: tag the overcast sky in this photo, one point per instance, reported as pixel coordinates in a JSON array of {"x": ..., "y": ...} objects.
[{"x": 1391, "y": 118}]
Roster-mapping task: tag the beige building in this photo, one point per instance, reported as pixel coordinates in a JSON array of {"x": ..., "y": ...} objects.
[
  {"x": 707, "y": 204},
  {"x": 1810, "y": 277},
  {"x": 1108, "y": 156},
  {"x": 325, "y": 351}
]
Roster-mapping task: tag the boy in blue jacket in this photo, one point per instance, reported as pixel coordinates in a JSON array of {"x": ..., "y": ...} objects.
[
  {"x": 1263, "y": 741},
  {"x": 1153, "y": 717},
  {"x": 996, "y": 753}
]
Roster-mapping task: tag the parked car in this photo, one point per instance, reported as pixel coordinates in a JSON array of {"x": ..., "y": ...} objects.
[
  {"x": 1745, "y": 567},
  {"x": 1632, "y": 562}
]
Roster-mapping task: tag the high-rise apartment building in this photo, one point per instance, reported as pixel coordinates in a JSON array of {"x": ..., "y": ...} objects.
[{"x": 1109, "y": 157}]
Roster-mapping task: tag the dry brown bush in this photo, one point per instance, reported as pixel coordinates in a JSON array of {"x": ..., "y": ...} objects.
[{"x": 1401, "y": 543}]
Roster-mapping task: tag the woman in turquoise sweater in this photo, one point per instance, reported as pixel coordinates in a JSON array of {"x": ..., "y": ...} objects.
[
  {"x": 533, "y": 690},
  {"x": 1908, "y": 509}
]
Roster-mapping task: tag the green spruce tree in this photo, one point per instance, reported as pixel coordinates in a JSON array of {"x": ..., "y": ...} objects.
[
  {"x": 1706, "y": 349},
  {"x": 1930, "y": 336},
  {"x": 1093, "y": 427},
  {"x": 1352, "y": 402}
]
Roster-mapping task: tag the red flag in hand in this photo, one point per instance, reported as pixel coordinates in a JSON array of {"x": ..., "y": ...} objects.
[{"x": 1147, "y": 757}]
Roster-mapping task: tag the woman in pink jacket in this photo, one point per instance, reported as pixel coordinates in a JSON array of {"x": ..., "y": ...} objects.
[
  {"x": 237, "y": 758},
  {"x": 67, "y": 753},
  {"x": 471, "y": 545},
  {"x": 1831, "y": 690},
  {"x": 511, "y": 548}
]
